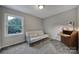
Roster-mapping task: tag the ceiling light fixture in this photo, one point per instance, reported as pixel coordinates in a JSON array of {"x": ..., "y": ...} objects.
[{"x": 40, "y": 6}]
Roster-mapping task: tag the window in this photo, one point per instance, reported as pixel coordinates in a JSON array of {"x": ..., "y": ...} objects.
[{"x": 14, "y": 25}]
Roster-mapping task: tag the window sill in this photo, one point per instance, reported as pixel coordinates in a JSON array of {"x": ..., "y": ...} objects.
[{"x": 10, "y": 35}]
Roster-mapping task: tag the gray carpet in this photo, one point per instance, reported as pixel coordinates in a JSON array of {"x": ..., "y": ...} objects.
[{"x": 46, "y": 46}]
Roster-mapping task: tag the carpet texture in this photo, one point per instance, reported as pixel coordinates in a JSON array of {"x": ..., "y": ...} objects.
[{"x": 46, "y": 46}]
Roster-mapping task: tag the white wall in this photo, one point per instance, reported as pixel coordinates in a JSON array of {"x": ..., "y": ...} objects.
[
  {"x": 78, "y": 26},
  {"x": 30, "y": 23},
  {"x": 78, "y": 17},
  {"x": 53, "y": 25},
  {"x": 0, "y": 29}
]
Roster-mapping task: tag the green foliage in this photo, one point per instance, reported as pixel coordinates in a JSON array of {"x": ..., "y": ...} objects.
[{"x": 14, "y": 25}]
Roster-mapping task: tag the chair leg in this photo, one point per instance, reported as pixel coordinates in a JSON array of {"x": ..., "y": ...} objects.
[{"x": 29, "y": 44}]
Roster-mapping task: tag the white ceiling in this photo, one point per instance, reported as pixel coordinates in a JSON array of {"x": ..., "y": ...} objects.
[{"x": 48, "y": 10}]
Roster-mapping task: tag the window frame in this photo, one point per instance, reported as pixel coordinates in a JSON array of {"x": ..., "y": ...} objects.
[{"x": 6, "y": 24}]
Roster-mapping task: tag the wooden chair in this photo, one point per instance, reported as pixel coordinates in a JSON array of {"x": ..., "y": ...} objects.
[{"x": 70, "y": 38}]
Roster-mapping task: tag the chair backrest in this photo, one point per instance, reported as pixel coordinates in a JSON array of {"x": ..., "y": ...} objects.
[{"x": 74, "y": 34}]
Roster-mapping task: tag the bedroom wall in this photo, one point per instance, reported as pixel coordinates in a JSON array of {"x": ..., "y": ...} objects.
[
  {"x": 30, "y": 23},
  {"x": 78, "y": 27},
  {"x": 78, "y": 16},
  {"x": 54, "y": 24},
  {"x": 0, "y": 29}
]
